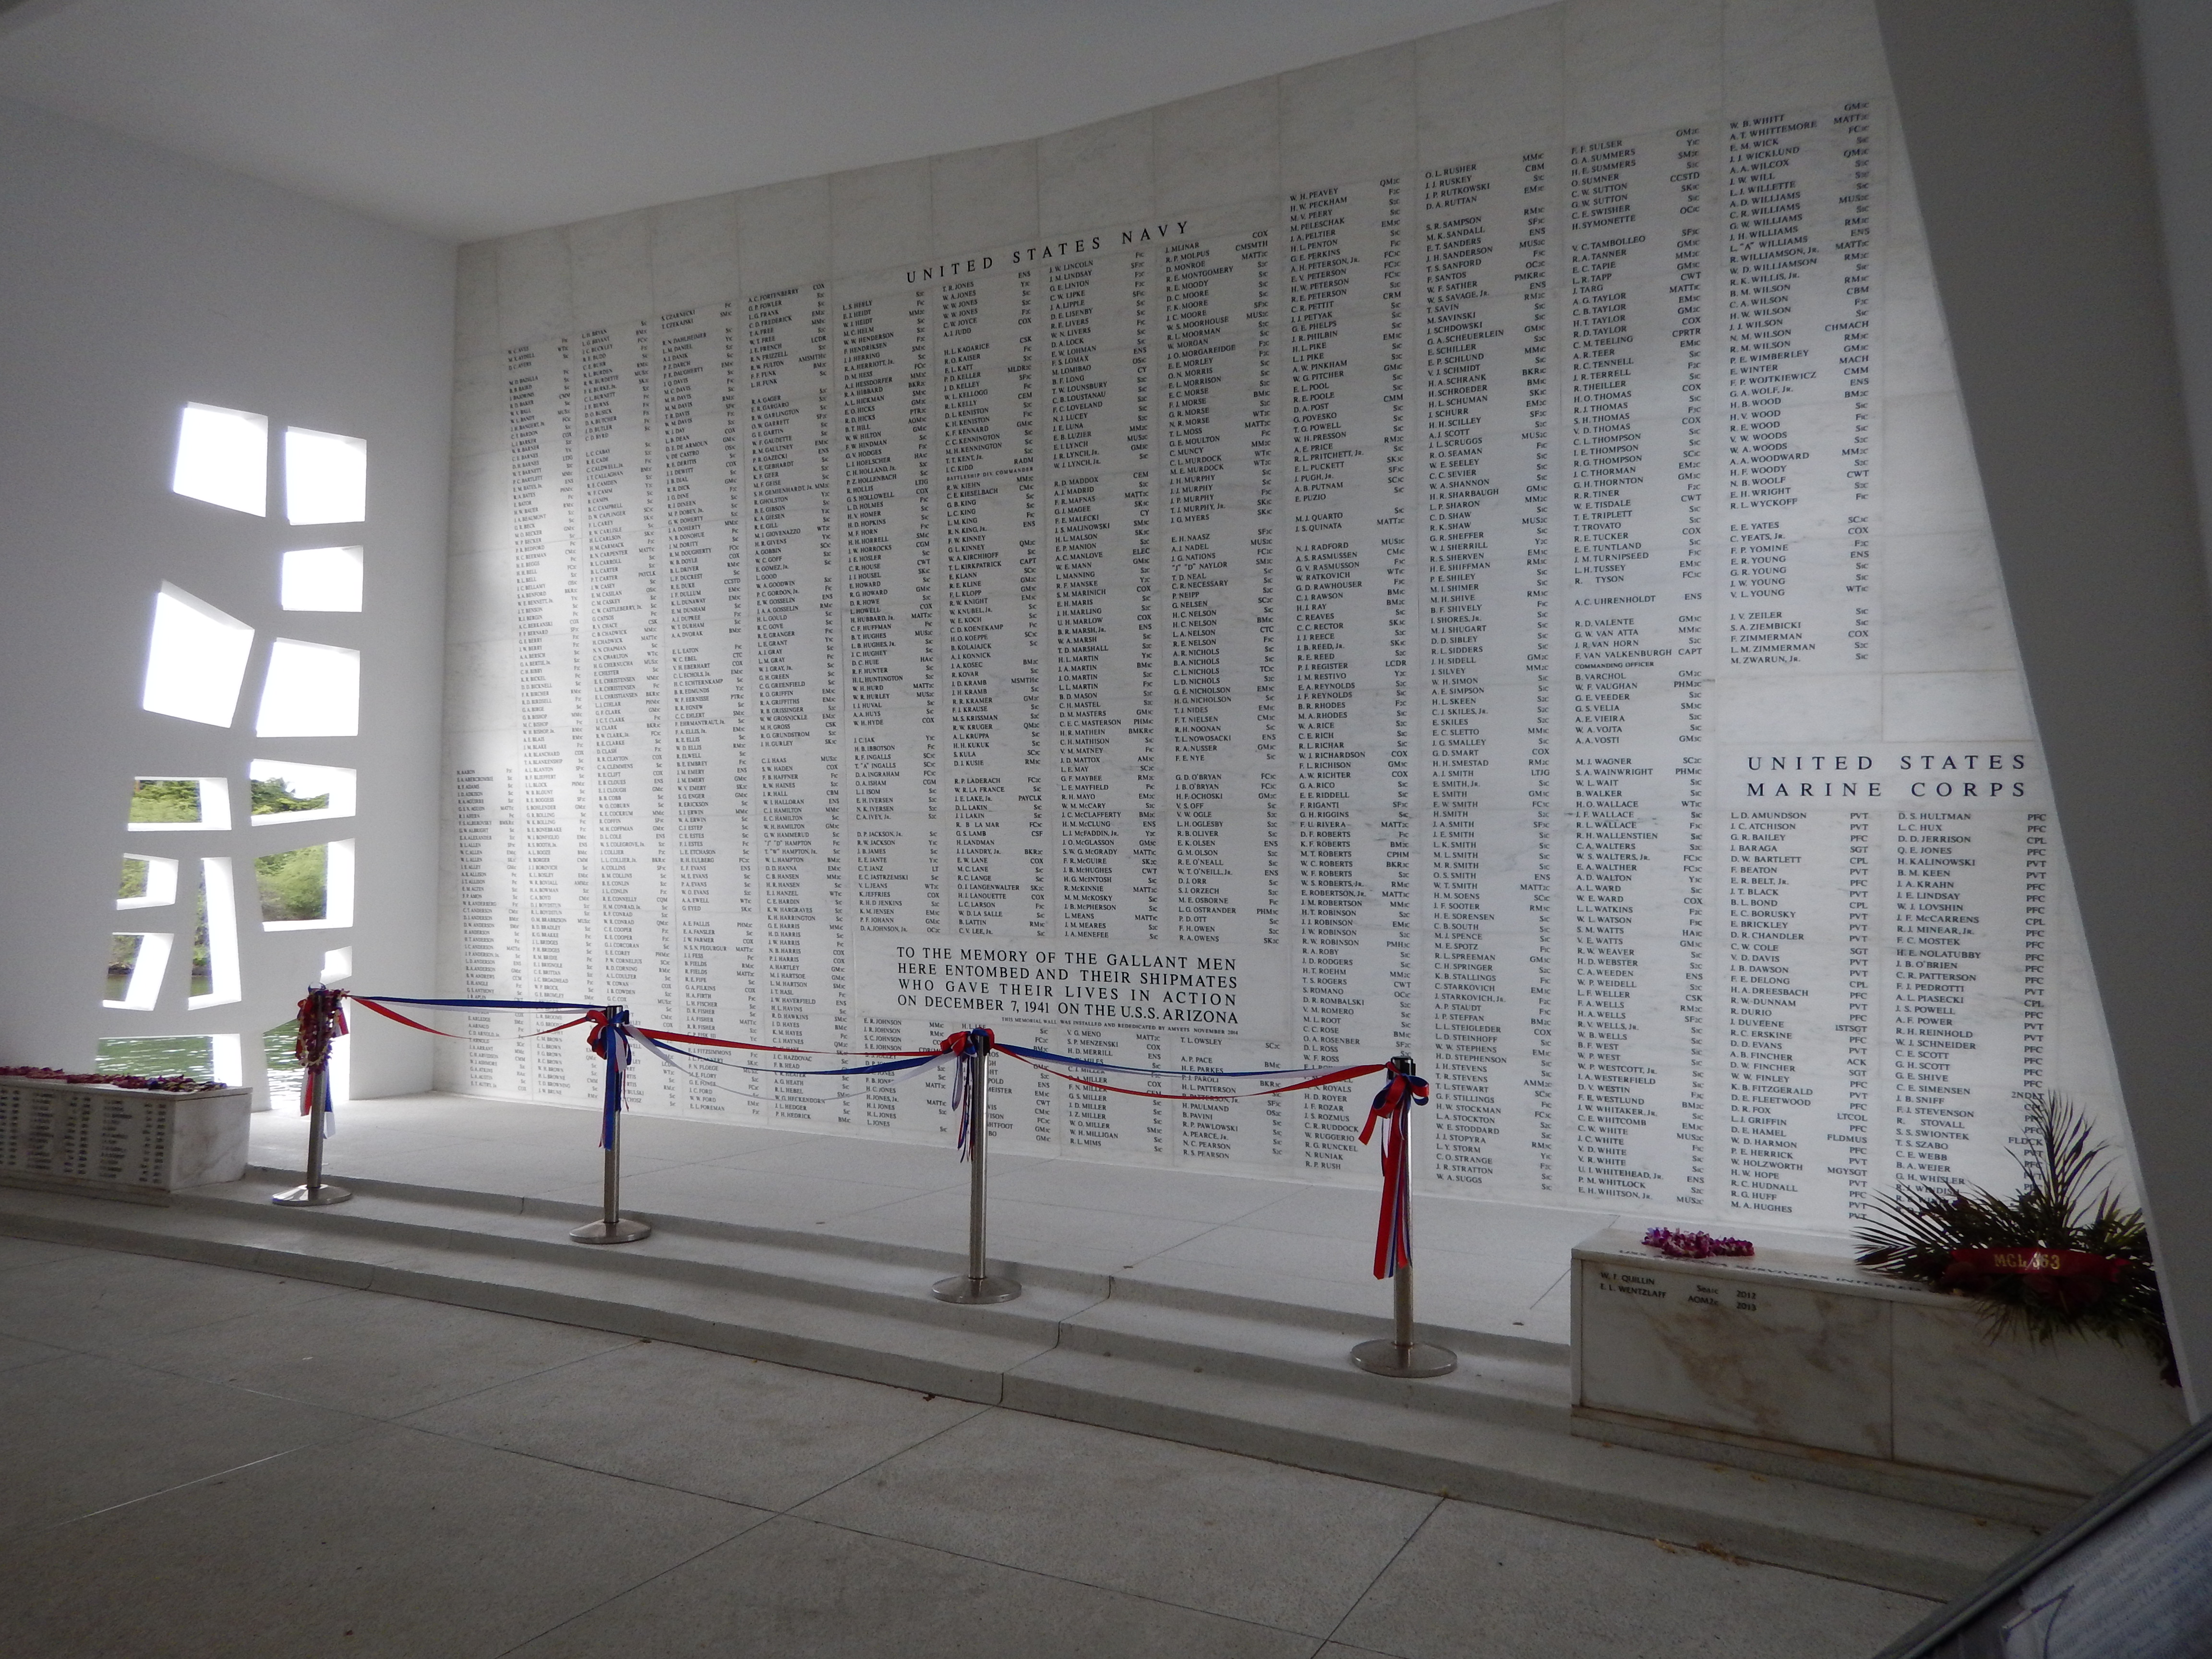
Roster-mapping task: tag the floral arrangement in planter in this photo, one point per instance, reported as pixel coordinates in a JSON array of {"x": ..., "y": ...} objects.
[
  {"x": 2050, "y": 1261},
  {"x": 178, "y": 1084}
]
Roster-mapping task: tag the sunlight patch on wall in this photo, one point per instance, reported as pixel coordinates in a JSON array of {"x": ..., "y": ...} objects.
[
  {"x": 325, "y": 478},
  {"x": 310, "y": 691},
  {"x": 194, "y": 659},
  {"x": 320, "y": 579},
  {"x": 223, "y": 457}
]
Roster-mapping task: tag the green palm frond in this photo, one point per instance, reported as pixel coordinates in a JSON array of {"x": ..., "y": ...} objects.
[{"x": 1915, "y": 1230}]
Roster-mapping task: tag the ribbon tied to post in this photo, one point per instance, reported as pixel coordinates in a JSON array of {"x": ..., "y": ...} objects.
[
  {"x": 322, "y": 1022},
  {"x": 968, "y": 1049},
  {"x": 609, "y": 1038},
  {"x": 1394, "y": 1230}
]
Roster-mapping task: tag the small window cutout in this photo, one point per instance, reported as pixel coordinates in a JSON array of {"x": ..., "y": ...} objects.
[
  {"x": 220, "y": 1057},
  {"x": 321, "y": 578},
  {"x": 291, "y": 791},
  {"x": 325, "y": 478},
  {"x": 135, "y": 963},
  {"x": 146, "y": 881},
  {"x": 312, "y": 691},
  {"x": 280, "y": 1053},
  {"x": 307, "y": 887},
  {"x": 216, "y": 977},
  {"x": 223, "y": 457},
  {"x": 194, "y": 659},
  {"x": 180, "y": 803},
  {"x": 337, "y": 965}
]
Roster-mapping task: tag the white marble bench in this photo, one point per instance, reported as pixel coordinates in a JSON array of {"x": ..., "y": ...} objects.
[
  {"x": 139, "y": 1144},
  {"x": 1803, "y": 1364}
]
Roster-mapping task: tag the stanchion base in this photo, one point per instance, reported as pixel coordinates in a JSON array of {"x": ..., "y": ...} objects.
[
  {"x": 961, "y": 1288},
  {"x": 626, "y": 1231},
  {"x": 1383, "y": 1358},
  {"x": 324, "y": 1193}
]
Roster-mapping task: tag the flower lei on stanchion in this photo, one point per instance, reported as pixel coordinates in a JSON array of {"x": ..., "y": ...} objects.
[
  {"x": 322, "y": 1021},
  {"x": 1394, "y": 1227}
]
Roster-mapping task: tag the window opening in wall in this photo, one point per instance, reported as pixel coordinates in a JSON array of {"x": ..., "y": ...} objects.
[
  {"x": 280, "y": 1054},
  {"x": 306, "y": 887},
  {"x": 216, "y": 1057},
  {"x": 223, "y": 457},
  {"x": 312, "y": 691},
  {"x": 146, "y": 881},
  {"x": 291, "y": 792},
  {"x": 325, "y": 478},
  {"x": 135, "y": 963},
  {"x": 195, "y": 658},
  {"x": 216, "y": 976},
  {"x": 180, "y": 803},
  {"x": 337, "y": 965},
  {"x": 320, "y": 579}
]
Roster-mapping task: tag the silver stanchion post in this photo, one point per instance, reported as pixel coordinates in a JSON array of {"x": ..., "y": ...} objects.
[
  {"x": 1398, "y": 1354},
  {"x": 612, "y": 1227},
  {"x": 976, "y": 1285},
  {"x": 321, "y": 1019}
]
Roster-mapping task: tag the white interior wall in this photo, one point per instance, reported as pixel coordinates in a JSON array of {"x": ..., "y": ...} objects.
[{"x": 135, "y": 280}]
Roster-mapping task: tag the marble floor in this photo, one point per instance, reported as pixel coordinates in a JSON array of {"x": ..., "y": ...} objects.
[
  {"x": 196, "y": 1460},
  {"x": 1484, "y": 1266}
]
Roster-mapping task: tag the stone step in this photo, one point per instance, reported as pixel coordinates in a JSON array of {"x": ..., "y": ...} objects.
[
  {"x": 1238, "y": 1374},
  {"x": 1716, "y": 1508}
]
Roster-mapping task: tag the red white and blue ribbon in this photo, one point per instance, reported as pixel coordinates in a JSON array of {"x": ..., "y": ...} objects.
[
  {"x": 1394, "y": 1228},
  {"x": 609, "y": 1039},
  {"x": 1305, "y": 1078},
  {"x": 322, "y": 1020},
  {"x": 970, "y": 1051}
]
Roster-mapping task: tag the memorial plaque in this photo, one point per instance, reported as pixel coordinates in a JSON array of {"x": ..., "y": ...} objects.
[{"x": 1470, "y": 602}]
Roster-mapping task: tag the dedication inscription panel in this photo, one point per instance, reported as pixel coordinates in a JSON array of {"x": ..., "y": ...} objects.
[{"x": 1291, "y": 635}]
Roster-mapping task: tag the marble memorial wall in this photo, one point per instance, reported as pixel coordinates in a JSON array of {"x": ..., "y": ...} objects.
[{"x": 1529, "y": 608}]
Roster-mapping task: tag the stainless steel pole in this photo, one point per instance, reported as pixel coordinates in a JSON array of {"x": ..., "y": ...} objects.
[
  {"x": 315, "y": 1084},
  {"x": 612, "y": 1227},
  {"x": 976, "y": 1285},
  {"x": 1399, "y": 1355}
]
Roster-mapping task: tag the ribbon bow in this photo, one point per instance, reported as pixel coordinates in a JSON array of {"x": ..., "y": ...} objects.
[
  {"x": 969, "y": 1050},
  {"x": 609, "y": 1038},
  {"x": 1393, "y": 1228},
  {"x": 322, "y": 1020}
]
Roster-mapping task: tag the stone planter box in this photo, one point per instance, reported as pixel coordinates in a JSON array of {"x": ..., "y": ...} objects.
[
  {"x": 1806, "y": 1364},
  {"x": 138, "y": 1144}
]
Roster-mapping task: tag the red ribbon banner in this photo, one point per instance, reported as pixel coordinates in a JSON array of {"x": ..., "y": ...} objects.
[
  {"x": 1393, "y": 1228},
  {"x": 2070, "y": 1280}
]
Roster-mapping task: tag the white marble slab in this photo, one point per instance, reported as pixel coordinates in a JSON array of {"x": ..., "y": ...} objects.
[
  {"x": 1803, "y": 1354},
  {"x": 138, "y": 1144}
]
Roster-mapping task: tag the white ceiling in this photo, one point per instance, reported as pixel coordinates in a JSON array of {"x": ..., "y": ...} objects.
[{"x": 469, "y": 118}]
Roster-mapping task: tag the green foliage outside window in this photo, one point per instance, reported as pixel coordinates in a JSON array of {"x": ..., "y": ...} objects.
[
  {"x": 166, "y": 800},
  {"x": 273, "y": 795},
  {"x": 294, "y": 885}
]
